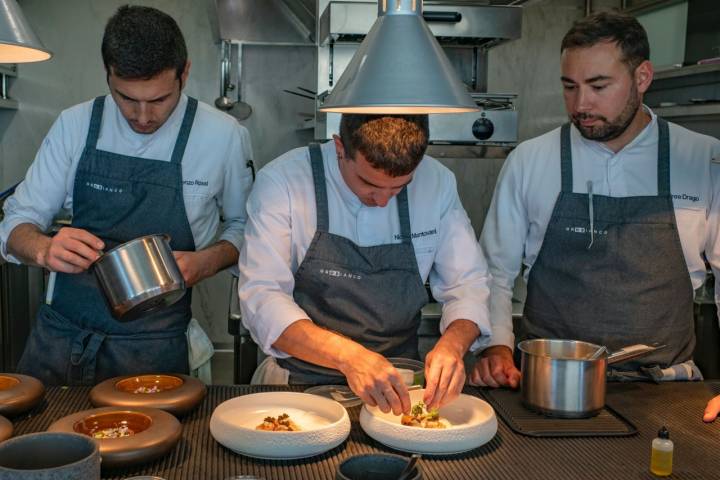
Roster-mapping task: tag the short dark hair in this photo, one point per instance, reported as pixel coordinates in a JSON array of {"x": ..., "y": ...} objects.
[
  {"x": 140, "y": 42},
  {"x": 622, "y": 29},
  {"x": 394, "y": 144}
]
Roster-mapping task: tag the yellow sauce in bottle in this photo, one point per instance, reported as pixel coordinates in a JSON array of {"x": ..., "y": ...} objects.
[{"x": 661, "y": 459}]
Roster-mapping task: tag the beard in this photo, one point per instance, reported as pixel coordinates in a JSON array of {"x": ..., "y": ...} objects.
[{"x": 609, "y": 130}]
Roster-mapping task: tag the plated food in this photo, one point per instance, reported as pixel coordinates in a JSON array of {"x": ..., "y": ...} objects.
[
  {"x": 322, "y": 424},
  {"x": 113, "y": 432},
  {"x": 127, "y": 436},
  {"x": 19, "y": 393},
  {"x": 280, "y": 424},
  {"x": 177, "y": 394},
  {"x": 421, "y": 417},
  {"x": 468, "y": 423}
]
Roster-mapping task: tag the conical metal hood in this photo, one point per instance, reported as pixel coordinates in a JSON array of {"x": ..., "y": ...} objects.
[
  {"x": 399, "y": 69},
  {"x": 18, "y": 43}
]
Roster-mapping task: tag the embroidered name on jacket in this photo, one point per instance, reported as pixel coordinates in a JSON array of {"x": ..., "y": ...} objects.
[
  {"x": 418, "y": 234},
  {"x": 103, "y": 188},
  {"x": 339, "y": 274},
  {"x": 685, "y": 196},
  {"x": 202, "y": 183}
]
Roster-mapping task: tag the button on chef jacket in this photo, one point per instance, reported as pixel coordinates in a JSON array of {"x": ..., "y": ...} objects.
[
  {"x": 529, "y": 184},
  {"x": 282, "y": 222},
  {"x": 214, "y": 171}
]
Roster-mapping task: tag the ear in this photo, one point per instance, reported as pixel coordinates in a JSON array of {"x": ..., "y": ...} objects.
[
  {"x": 644, "y": 76},
  {"x": 339, "y": 147},
  {"x": 185, "y": 73}
]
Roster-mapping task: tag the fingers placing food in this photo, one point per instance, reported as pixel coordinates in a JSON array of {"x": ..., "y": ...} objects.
[{"x": 423, "y": 418}]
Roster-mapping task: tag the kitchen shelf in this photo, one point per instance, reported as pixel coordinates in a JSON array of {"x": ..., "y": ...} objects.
[
  {"x": 702, "y": 109},
  {"x": 8, "y": 103},
  {"x": 686, "y": 71}
]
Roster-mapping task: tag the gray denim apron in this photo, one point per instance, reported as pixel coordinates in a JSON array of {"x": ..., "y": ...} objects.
[
  {"x": 372, "y": 295},
  {"x": 76, "y": 341},
  {"x": 611, "y": 271}
]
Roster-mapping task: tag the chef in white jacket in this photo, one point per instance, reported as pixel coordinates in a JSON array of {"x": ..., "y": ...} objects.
[
  {"x": 340, "y": 240},
  {"x": 144, "y": 159},
  {"x": 609, "y": 218}
]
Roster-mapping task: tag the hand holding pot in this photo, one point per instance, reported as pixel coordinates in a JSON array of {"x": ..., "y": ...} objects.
[
  {"x": 193, "y": 266},
  {"x": 71, "y": 250},
  {"x": 495, "y": 368}
]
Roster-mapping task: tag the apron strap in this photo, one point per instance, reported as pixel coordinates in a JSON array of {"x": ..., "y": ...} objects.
[
  {"x": 566, "y": 159},
  {"x": 321, "y": 203},
  {"x": 95, "y": 122},
  {"x": 404, "y": 214},
  {"x": 184, "y": 133},
  {"x": 663, "y": 169}
]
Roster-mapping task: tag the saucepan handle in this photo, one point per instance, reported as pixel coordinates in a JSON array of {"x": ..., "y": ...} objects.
[{"x": 632, "y": 351}]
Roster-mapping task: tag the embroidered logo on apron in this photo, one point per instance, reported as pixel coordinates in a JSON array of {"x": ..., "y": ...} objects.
[{"x": 339, "y": 274}]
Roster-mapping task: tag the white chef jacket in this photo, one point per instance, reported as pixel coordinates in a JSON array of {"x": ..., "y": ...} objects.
[
  {"x": 282, "y": 222},
  {"x": 529, "y": 184},
  {"x": 214, "y": 171}
]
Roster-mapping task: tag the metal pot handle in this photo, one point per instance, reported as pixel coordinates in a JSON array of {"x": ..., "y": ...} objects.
[{"x": 632, "y": 351}]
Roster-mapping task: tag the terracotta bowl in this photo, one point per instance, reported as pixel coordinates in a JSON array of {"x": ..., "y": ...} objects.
[
  {"x": 177, "y": 394},
  {"x": 19, "y": 393},
  {"x": 6, "y": 428},
  {"x": 149, "y": 433}
]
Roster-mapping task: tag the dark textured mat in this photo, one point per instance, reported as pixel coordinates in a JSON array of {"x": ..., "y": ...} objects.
[
  {"x": 508, "y": 456},
  {"x": 508, "y": 405}
]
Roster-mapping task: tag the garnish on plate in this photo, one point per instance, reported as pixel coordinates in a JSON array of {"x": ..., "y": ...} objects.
[{"x": 422, "y": 418}]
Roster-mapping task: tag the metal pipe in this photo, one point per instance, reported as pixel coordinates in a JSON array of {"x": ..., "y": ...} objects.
[{"x": 588, "y": 7}]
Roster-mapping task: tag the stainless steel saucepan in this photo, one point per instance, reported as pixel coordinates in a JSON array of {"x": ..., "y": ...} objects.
[
  {"x": 139, "y": 276},
  {"x": 566, "y": 378}
]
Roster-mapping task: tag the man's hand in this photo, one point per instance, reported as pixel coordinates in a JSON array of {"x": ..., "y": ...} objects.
[
  {"x": 194, "y": 266},
  {"x": 444, "y": 367},
  {"x": 71, "y": 250},
  {"x": 495, "y": 368},
  {"x": 712, "y": 409},
  {"x": 199, "y": 265},
  {"x": 376, "y": 381}
]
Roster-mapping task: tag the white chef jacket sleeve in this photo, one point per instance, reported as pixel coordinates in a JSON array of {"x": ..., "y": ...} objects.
[
  {"x": 712, "y": 247},
  {"x": 503, "y": 242},
  {"x": 43, "y": 191},
  {"x": 266, "y": 282},
  {"x": 236, "y": 186},
  {"x": 459, "y": 275}
]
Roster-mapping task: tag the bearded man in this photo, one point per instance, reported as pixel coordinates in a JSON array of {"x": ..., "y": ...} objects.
[{"x": 610, "y": 217}]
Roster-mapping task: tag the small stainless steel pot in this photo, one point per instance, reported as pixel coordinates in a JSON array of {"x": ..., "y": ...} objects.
[
  {"x": 139, "y": 276},
  {"x": 560, "y": 379}
]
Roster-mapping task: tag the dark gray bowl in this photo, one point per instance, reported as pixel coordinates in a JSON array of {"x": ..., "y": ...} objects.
[
  {"x": 375, "y": 466},
  {"x": 50, "y": 456}
]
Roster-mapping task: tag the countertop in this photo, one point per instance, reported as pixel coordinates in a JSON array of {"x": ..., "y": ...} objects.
[{"x": 509, "y": 455}]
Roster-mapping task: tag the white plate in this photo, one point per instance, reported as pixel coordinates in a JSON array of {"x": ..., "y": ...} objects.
[
  {"x": 470, "y": 423},
  {"x": 324, "y": 425}
]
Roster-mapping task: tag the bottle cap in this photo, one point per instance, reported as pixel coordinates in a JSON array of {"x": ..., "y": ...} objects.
[{"x": 664, "y": 433}]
